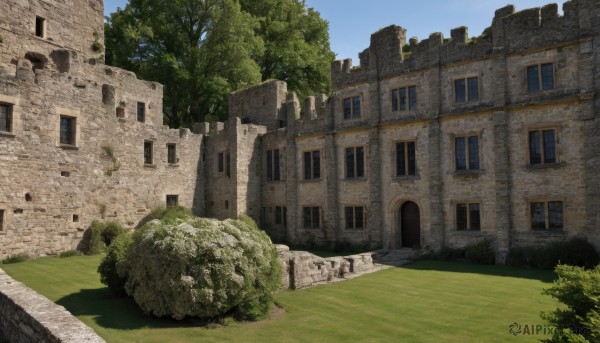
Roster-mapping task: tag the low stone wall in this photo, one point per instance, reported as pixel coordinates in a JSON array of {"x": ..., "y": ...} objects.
[
  {"x": 302, "y": 269},
  {"x": 26, "y": 316}
]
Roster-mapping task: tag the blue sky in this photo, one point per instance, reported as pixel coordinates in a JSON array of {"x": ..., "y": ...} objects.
[{"x": 351, "y": 22}]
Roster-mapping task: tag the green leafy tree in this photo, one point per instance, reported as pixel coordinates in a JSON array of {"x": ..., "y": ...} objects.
[
  {"x": 199, "y": 49},
  {"x": 296, "y": 42},
  {"x": 202, "y": 50}
]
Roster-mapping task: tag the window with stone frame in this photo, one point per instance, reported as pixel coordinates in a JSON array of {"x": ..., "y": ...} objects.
[
  {"x": 355, "y": 217},
  {"x": 404, "y": 99},
  {"x": 312, "y": 165},
  {"x": 141, "y": 112},
  {"x": 542, "y": 146},
  {"x": 540, "y": 77},
  {"x": 405, "y": 159},
  {"x": 355, "y": 162},
  {"x": 2, "y": 220},
  {"x": 468, "y": 217},
  {"x": 172, "y": 153},
  {"x": 351, "y": 107},
  {"x": 6, "y": 118},
  {"x": 273, "y": 165},
  {"x": 67, "y": 130},
  {"x": 466, "y": 90},
  {"x": 311, "y": 217},
  {"x": 546, "y": 215},
  {"x": 40, "y": 27},
  {"x": 466, "y": 151},
  {"x": 148, "y": 153},
  {"x": 172, "y": 200}
]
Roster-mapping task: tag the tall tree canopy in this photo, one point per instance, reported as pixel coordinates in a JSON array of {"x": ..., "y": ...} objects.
[{"x": 202, "y": 50}]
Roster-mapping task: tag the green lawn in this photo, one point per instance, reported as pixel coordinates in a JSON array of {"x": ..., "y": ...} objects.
[{"x": 422, "y": 302}]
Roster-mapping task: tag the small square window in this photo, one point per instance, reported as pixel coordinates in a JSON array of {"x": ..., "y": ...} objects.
[
  {"x": 148, "y": 153},
  {"x": 172, "y": 200},
  {"x": 311, "y": 217},
  {"x": 40, "y": 27},
  {"x": 351, "y": 107},
  {"x": 67, "y": 130},
  {"x": 540, "y": 77},
  {"x": 172, "y": 153},
  {"x": 75, "y": 218},
  {"x": 468, "y": 217},
  {"x": 141, "y": 112},
  {"x": 542, "y": 147},
  {"x": 466, "y": 90},
  {"x": 355, "y": 218},
  {"x": 5, "y": 117}
]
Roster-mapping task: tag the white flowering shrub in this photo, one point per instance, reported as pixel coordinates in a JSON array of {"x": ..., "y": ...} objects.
[{"x": 203, "y": 268}]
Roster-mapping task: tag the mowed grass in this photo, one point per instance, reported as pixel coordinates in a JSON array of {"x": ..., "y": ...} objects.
[{"x": 422, "y": 302}]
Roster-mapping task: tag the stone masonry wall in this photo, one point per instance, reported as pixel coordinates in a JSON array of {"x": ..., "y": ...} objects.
[{"x": 26, "y": 316}]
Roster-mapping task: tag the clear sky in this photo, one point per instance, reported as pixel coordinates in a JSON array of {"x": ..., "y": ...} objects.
[{"x": 351, "y": 22}]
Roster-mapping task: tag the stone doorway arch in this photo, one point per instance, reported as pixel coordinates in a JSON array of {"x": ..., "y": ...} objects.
[{"x": 408, "y": 226}]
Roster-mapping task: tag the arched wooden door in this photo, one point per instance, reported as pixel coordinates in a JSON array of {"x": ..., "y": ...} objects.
[{"x": 410, "y": 225}]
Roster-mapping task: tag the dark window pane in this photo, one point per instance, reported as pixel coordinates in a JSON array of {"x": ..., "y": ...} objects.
[
  {"x": 147, "y": 152},
  {"x": 395, "y": 100},
  {"x": 473, "y": 89},
  {"x": 141, "y": 112},
  {"x": 474, "y": 153},
  {"x": 360, "y": 162},
  {"x": 307, "y": 217},
  {"x": 285, "y": 216},
  {"x": 356, "y": 107},
  {"x": 461, "y": 217},
  {"x": 1, "y": 220},
  {"x": 412, "y": 98},
  {"x": 5, "y": 118},
  {"x": 475, "y": 217},
  {"x": 316, "y": 217},
  {"x": 347, "y": 108},
  {"x": 316, "y": 164},
  {"x": 555, "y": 215},
  {"x": 535, "y": 152},
  {"x": 461, "y": 156},
  {"x": 277, "y": 215},
  {"x": 66, "y": 131},
  {"x": 403, "y": 99},
  {"x": 460, "y": 94},
  {"x": 39, "y": 27},
  {"x": 171, "y": 153},
  {"x": 412, "y": 167},
  {"x": 277, "y": 171},
  {"x": 359, "y": 218},
  {"x": 172, "y": 200},
  {"x": 400, "y": 160},
  {"x": 547, "y": 76},
  {"x": 349, "y": 217},
  {"x": 221, "y": 163},
  {"x": 307, "y": 166},
  {"x": 269, "y": 165},
  {"x": 349, "y": 162},
  {"x": 538, "y": 217},
  {"x": 549, "y": 146},
  {"x": 533, "y": 82}
]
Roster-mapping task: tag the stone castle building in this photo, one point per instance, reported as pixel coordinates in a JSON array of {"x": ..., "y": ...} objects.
[{"x": 442, "y": 142}]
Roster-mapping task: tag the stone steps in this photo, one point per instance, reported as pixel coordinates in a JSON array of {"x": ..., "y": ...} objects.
[{"x": 396, "y": 257}]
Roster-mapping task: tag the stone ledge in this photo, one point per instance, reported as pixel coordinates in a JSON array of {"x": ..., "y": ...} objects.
[{"x": 26, "y": 316}]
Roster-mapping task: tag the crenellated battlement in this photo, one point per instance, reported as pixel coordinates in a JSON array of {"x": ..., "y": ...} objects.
[{"x": 511, "y": 31}]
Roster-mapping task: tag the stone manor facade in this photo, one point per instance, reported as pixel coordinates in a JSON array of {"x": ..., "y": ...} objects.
[{"x": 432, "y": 143}]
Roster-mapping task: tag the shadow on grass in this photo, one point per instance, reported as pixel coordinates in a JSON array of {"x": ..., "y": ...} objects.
[
  {"x": 117, "y": 312},
  {"x": 546, "y": 276}
]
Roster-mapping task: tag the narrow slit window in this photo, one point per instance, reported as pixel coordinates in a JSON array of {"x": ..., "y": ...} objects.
[
  {"x": 172, "y": 153},
  {"x": 148, "y": 153},
  {"x": 141, "y": 112},
  {"x": 67, "y": 130},
  {"x": 40, "y": 27}
]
